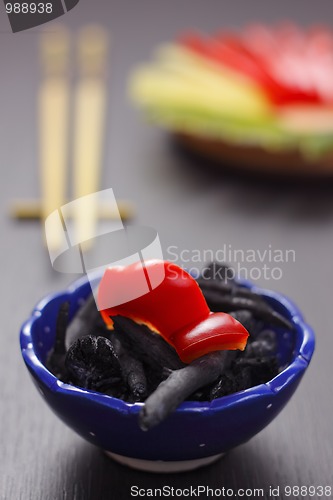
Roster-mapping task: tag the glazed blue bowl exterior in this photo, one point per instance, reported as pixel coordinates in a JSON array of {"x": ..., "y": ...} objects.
[{"x": 196, "y": 429}]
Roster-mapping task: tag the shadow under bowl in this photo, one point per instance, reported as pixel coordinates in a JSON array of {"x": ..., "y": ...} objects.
[{"x": 197, "y": 433}]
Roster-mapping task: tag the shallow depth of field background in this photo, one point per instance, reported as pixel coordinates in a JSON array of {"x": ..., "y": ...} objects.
[{"x": 192, "y": 207}]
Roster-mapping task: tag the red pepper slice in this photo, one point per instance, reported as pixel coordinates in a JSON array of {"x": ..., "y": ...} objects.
[
  {"x": 282, "y": 53},
  {"x": 228, "y": 51},
  {"x": 176, "y": 308},
  {"x": 289, "y": 64}
]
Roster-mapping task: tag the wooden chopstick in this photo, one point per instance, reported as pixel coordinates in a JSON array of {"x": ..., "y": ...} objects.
[
  {"x": 89, "y": 118},
  {"x": 53, "y": 105},
  {"x": 32, "y": 209}
]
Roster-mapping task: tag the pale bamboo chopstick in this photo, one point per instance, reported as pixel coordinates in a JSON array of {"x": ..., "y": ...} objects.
[
  {"x": 31, "y": 209},
  {"x": 89, "y": 125},
  {"x": 53, "y": 107}
]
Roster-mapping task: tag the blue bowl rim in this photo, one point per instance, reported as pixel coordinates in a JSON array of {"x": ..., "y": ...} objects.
[{"x": 304, "y": 336}]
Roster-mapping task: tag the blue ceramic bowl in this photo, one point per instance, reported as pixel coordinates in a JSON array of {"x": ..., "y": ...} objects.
[{"x": 197, "y": 432}]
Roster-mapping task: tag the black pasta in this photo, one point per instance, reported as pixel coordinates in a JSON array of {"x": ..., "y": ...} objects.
[
  {"x": 92, "y": 363},
  {"x": 134, "y": 363}
]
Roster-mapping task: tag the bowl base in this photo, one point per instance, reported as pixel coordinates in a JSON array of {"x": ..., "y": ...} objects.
[{"x": 161, "y": 465}]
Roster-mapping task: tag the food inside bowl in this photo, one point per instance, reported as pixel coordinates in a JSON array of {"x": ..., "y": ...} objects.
[
  {"x": 124, "y": 356},
  {"x": 263, "y": 87}
]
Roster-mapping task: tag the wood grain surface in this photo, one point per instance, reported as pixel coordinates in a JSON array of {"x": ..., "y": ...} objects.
[{"x": 192, "y": 208}]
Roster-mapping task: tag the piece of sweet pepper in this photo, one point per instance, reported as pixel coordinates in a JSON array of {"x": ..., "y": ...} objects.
[{"x": 176, "y": 308}]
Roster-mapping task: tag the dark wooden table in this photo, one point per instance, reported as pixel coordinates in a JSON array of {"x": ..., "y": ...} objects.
[{"x": 192, "y": 208}]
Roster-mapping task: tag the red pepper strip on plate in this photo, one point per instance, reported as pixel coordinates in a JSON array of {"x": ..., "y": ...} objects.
[
  {"x": 283, "y": 53},
  {"x": 227, "y": 51},
  {"x": 290, "y": 65},
  {"x": 176, "y": 308}
]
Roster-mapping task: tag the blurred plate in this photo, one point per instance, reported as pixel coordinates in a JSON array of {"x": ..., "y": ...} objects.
[{"x": 256, "y": 159}]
